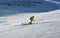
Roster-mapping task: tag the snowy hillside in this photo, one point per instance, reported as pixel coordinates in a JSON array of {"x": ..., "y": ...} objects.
[
  {"x": 47, "y": 25},
  {"x": 57, "y": 0},
  {"x": 15, "y": 14},
  {"x": 2, "y": 1},
  {"x": 54, "y": 1},
  {"x": 15, "y": 7}
]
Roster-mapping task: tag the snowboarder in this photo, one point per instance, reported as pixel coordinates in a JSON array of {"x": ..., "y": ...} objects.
[{"x": 31, "y": 19}]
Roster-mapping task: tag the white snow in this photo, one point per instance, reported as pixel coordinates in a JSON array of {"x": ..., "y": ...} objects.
[{"x": 46, "y": 24}]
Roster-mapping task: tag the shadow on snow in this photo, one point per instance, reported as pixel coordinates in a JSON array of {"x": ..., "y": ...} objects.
[{"x": 40, "y": 8}]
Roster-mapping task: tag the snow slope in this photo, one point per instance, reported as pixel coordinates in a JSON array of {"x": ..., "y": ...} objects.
[
  {"x": 47, "y": 25},
  {"x": 54, "y": 1},
  {"x": 28, "y": 7},
  {"x": 2, "y": 1},
  {"x": 14, "y": 19}
]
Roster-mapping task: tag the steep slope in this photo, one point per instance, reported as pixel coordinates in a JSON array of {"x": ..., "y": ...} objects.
[{"x": 46, "y": 25}]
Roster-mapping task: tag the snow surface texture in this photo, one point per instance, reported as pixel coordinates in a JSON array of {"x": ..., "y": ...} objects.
[
  {"x": 14, "y": 7},
  {"x": 54, "y": 1},
  {"x": 15, "y": 25},
  {"x": 47, "y": 25}
]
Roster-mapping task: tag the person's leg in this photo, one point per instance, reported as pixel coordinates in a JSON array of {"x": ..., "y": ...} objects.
[{"x": 30, "y": 22}]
